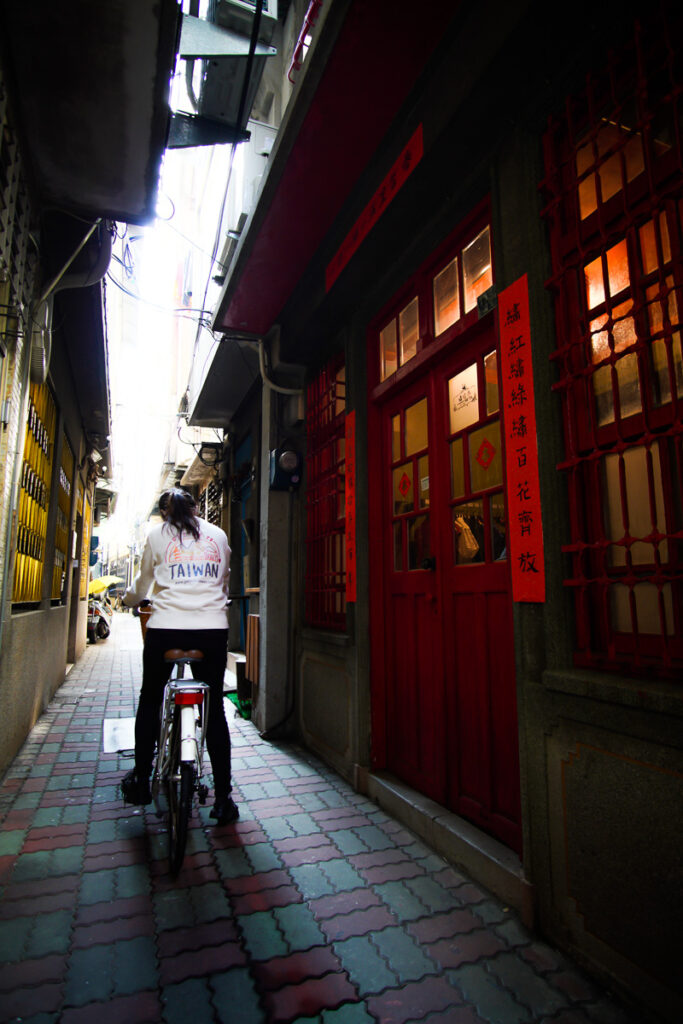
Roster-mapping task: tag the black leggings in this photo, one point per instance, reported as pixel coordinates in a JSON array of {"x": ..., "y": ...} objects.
[{"x": 155, "y": 673}]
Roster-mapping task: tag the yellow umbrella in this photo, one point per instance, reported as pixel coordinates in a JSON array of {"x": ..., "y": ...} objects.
[{"x": 103, "y": 583}]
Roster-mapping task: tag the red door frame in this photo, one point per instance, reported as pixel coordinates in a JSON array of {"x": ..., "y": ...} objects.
[{"x": 429, "y": 358}]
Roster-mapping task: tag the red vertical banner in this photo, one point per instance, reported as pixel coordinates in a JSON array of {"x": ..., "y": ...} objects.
[
  {"x": 350, "y": 505},
  {"x": 525, "y": 527}
]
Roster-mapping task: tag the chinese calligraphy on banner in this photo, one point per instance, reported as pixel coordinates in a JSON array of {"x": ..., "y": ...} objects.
[
  {"x": 350, "y": 505},
  {"x": 521, "y": 448},
  {"x": 394, "y": 181}
]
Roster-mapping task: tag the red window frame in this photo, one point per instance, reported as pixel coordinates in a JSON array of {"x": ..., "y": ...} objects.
[
  {"x": 325, "y": 582},
  {"x": 420, "y": 287},
  {"x": 614, "y": 170}
]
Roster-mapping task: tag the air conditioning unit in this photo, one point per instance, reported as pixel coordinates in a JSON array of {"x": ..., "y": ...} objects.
[
  {"x": 221, "y": 89},
  {"x": 238, "y": 15}
]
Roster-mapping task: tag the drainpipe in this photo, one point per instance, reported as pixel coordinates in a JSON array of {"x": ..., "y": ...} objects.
[{"x": 266, "y": 379}]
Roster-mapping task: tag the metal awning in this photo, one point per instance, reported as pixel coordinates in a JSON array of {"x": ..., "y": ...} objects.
[
  {"x": 363, "y": 67},
  {"x": 90, "y": 85},
  {"x": 233, "y": 372}
]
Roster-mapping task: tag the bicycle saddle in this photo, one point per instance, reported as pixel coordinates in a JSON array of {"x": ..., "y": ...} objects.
[{"x": 175, "y": 654}]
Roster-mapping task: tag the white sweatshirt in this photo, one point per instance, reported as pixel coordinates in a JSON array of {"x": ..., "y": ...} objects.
[{"x": 189, "y": 578}]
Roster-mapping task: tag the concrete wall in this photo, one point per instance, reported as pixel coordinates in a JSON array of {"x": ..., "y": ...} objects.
[{"x": 32, "y": 668}]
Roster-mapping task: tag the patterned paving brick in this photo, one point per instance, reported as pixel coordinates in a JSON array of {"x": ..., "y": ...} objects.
[
  {"x": 25, "y": 1003},
  {"x": 531, "y": 991},
  {"x": 298, "y": 926},
  {"x": 236, "y": 999},
  {"x": 133, "y": 1009},
  {"x": 295, "y": 968},
  {"x": 444, "y": 926},
  {"x": 252, "y": 902},
  {"x": 344, "y": 902},
  {"x": 402, "y": 954},
  {"x": 414, "y": 1001},
  {"x": 463, "y": 949},
  {"x": 256, "y": 883},
  {"x": 32, "y": 972},
  {"x": 200, "y": 963},
  {"x": 365, "y": 965},
  {"x": 359, "y": 922},
  {"x": 34, "y": 937},
  {"x": 262, "y": 936},
  {"x": 181, "y": 940},
  {"x": 314, "y": 908},
  {"x": 489, "y": 998},
  {"x": 111, "y": 931},
  {"x": 308, "y": 998},
  {"x": 186, "y": 1001},
  {"x": 112, "y": 910}
]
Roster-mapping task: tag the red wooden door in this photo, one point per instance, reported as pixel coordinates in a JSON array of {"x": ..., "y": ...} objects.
[
  {"x": 448, "y": 650},
  {"x": 414, "y": 668}
]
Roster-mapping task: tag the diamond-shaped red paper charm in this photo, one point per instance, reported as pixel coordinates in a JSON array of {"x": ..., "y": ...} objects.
[
  {"x": 404, "y": 484},
  {"x": 486, "y": 454}
]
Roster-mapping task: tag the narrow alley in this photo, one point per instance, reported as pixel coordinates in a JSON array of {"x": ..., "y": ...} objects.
[{"x": 315, "y": 907}]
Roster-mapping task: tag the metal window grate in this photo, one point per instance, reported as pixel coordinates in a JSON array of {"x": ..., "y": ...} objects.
[
  {"x": 325, "y": 520},
  {"x": 614, "y": 183},
  {"x": 34, "y": 495}
]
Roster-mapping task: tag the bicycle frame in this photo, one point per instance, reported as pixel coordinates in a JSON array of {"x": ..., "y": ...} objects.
[{"x": 191, "y": 698}]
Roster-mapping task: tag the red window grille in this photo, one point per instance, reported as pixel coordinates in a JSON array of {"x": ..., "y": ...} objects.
[
  {"x": 614, "y": 182},
  {"x": 325, "y": 462}
]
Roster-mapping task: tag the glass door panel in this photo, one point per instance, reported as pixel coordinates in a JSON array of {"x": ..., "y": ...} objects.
[{"x": 411, "y": 490}]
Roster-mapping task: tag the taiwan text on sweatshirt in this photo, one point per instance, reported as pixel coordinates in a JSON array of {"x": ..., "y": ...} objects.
[{"x": 189, "y": 577}]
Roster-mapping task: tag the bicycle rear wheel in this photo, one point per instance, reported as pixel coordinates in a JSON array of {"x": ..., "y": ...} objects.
[{"x": 179, "y": 788}]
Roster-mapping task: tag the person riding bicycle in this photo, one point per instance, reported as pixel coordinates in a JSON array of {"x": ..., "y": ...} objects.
[{"x": 186, "y": 562}]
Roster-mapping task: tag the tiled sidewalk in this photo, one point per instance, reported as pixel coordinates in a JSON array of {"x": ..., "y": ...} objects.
[{"x": 314, "y": 908}]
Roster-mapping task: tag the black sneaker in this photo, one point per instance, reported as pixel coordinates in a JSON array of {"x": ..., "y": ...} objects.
[
  {"x": 134, "y": 790},
  {"x": 225, "y": 811}
]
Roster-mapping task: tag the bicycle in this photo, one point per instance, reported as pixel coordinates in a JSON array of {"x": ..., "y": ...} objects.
[{"x": 177, "y": 774}]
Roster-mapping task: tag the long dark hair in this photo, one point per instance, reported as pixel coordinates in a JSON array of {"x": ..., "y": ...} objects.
[{"x": 180, "y": 511}]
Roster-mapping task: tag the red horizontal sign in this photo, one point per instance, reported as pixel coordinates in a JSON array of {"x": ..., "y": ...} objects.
[{"x": 393, "y": 183}]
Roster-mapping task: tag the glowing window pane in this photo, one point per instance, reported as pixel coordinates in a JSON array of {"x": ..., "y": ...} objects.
[
  {"x": 446, "y": 297},
  {"x": 617, "y": 274},
  {"x": 398, "y": 547},
  {"x": 486, "y": 462},
  {"x": 408, "y": 331},
  {"x": 634, "y": 518},
  {"x": 463, "y": 399},
  {"x": 419, "y": 546},
  {"x": 468, "y": 533},
  {"x": 491, "y": 378},
  {"x": 650, "y": 609},
  {"x": 648, "y": 244},
  {"x": 403, "y": 489},
  {"x": 660, "y": 346},
  {"x": 395, "y": 438},
  {"x": 416, "y": 438},
  {"x": 476, "y": 268},
  {"x": 423, "y": 480},
  {"x": 610, "y": 169},
  {"x": 387, "y": 347},
  {"x": 498, "y": 519},
  {"x": 457, "y": 469}
]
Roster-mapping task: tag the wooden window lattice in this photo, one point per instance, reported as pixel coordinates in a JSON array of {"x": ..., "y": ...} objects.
[{"x": 614, "y": 181}]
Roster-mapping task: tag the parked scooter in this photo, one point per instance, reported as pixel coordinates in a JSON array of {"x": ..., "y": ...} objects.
[{"x": 99, "y": 619}]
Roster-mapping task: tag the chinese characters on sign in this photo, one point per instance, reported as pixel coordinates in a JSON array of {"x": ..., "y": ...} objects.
[
  {"x": 521, "y": 450},
  {"x": 394, "y": 181},
  {"x": 350, "y": 506}
]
